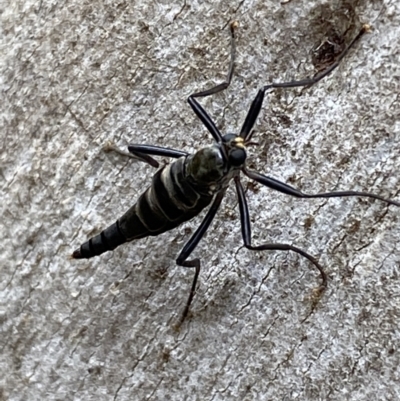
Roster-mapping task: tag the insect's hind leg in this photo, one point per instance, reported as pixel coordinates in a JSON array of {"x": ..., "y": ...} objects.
[{"x": 246, "y": 234}]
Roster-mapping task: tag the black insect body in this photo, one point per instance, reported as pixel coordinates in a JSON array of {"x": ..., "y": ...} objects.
[{"x": 180, "y": 190}]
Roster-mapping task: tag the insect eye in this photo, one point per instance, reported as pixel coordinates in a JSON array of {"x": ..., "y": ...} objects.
[{"x": 237, "y": 157}]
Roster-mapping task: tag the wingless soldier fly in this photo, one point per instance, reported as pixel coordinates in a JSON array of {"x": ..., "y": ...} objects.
[{"x": 181, "y": 190}]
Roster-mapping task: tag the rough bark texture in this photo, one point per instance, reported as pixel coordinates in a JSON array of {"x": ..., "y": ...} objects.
[{"x": 75, "y": 75}]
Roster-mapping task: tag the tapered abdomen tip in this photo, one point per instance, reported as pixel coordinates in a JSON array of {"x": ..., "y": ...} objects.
[{"x": 77, "y": 254}]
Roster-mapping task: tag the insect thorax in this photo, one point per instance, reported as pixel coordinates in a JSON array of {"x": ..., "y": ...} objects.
[
  {"x": 206, "y": 166},
  {"x": 208, "y": 170}
]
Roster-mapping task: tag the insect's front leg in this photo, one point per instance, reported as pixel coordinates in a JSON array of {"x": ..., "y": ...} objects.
[
  {"x": 198, "y": 108},
  {"x": 189, "y": 247},
  {"x": 258, "y": 100},
  {"x": 311, "y": 81}
]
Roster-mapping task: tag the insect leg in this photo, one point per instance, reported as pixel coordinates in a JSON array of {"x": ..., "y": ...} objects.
[
  {"x": 246, "y": 234},
  {"x": 141, "y": 150},
  {"x": 289, "y": 190},
  {"x": 108, "y": 147},
  {"x": 223, "y": 85},
  {"x": 257, "y": 102},
  {"x": 191, "y": 244},
  {"x": 252, "y": 114},
  {"x": 311, "y": 81},
  {"x": 196, "y": 106}
]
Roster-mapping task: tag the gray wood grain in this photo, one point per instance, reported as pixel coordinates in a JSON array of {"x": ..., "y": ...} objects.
[{"x": 77, "y": 75}]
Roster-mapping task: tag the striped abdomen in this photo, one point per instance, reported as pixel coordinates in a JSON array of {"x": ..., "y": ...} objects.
[{"x": 168, "y": 202}]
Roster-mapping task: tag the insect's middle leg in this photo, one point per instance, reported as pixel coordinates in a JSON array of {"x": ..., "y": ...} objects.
[
  {"x": 246, "y": 234},
  {"x": 198, "y": 108},
  {"x": 289, "y": 190},
  {"x": 189, "y": 247}
]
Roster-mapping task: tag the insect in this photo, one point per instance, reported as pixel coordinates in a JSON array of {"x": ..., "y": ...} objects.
[{"x": 181, "y": 190}]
